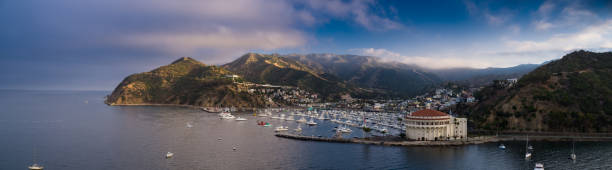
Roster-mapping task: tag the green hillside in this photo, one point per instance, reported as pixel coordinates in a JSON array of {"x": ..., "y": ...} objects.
[
  {"x": 276, "y": 70},
  {"x": 570, "y": 94},
  {"x": 184, "y": 82}
]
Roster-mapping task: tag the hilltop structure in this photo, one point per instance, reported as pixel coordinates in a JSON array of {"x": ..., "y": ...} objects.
[{"x": 430, "y": 124}]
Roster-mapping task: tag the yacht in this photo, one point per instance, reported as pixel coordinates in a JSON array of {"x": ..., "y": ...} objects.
[
  {"x": 240, "y": 119},
  {"x": 502, "y": 146},
  {"x": 344, "y": 129},
  {"x": 226, "y": 115},
  {"x": 189, "y": 125},
  {"x": 169, "y": 155},
  {"x": 281, "y": 128},
  {"x": 326, "y": 117},
  {"x": 290, "y": 118},
  {"x": 282, "y": 117},
  {"x": 275, "y": 117},
  {"x": 384, "y": 130},
  {"x": 35, "y": 167},
  {"x": 311, "y": 122},
  {"x": 527, "y": 155},
  {"x": 321, "y": 116},
  {"x": 298, "y": 129},
  {"x": 539, "y": 166},
  {"x": 302, "y": 120}
]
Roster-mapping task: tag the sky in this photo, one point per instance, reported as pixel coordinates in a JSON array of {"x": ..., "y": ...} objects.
[{"x": 94, "y": 44}]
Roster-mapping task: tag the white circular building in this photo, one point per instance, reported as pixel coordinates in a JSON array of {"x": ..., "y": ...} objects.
[{"x": 430, "y": 124}]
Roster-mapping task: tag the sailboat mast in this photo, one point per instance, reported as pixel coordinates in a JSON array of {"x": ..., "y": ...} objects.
[{"x": 573, "y": 145}]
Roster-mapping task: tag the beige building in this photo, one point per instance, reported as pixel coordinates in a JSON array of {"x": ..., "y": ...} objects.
[{"x": 430, "y": 124}]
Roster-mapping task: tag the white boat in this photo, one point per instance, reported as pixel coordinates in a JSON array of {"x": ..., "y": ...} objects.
[
  {"x": 282, "y": 117},
  {"x": 35, "y": 167},
  {"x": 539, "y": 166},
  {"x": 502, "y": 146},
  {"x": 169, "y": 155},
  {"x": 275, "y": 117},
  {"x": 226, "y": 115},
  {"x": 311, "y": 122},
  {"x": 281, "y": 128},
  {"x": 241, "y": 119},
  {"x": 573, "y": 155},
  {"x": 189, "y": 125},
  {"x": 290, "y": 118},
  {"x": 321, "y": 116},
  {"x": 344, "y": 129},
  {"x": 302, "y": 120},
  {"x": 384, "y": 130},
  {"x": 527, "y": 153},
  {"x": 298, "y": 129}
]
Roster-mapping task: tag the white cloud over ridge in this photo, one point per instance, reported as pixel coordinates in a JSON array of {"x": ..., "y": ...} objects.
[
  {"x": 432, "y": 62},
  {"x": 596, "y": 37}
]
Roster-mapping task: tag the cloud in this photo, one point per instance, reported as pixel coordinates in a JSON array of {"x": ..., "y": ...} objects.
[
  {"x": 497, "y": 19},
  {"x": 223, "y": 38},
  {"x": 432, "y": 62},
  {"x": 515, "y": 29},
  {"x": 546, "y": 8},
  {"x": 592, "y": 37},
  {"x": 542, "y": 25},
  {"x": 361, "y": 12},
  {"x": 558, "y": 15}
]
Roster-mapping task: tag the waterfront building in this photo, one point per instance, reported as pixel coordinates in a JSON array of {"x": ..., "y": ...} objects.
[{"x": 430, "y": 124}]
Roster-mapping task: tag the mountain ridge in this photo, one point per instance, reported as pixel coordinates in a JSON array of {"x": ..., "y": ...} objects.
[{"x": 395, "y": 78}]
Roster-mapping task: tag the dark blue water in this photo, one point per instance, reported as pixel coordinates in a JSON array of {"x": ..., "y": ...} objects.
[{"x": 75, "y": 130}]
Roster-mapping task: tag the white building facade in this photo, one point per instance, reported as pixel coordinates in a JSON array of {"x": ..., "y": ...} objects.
[{"x": 430, "y": 124}]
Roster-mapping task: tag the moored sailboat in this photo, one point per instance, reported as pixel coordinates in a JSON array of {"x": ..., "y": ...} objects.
[
  {"x": 527, "y": 153},
  {"x": 573, "y": 155}
]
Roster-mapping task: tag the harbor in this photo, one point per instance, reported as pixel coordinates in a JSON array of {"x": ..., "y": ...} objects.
[{"x": 141, "y": 137}]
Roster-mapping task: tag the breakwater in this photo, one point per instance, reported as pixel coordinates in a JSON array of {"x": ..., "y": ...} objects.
[{"x": 468, "y": 141}]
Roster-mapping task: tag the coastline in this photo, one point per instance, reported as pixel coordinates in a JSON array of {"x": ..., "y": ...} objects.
[{"x": 196, "y": 106}]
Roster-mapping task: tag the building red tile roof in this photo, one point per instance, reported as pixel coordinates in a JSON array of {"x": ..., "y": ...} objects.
[{"x": 428, "y": 112}]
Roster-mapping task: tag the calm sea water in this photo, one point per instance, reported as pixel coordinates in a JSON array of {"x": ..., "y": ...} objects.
[{"x": 75, "y": 130}]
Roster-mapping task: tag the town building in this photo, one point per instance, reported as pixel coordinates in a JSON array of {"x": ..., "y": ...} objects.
[{"x": 430, "y": 124}]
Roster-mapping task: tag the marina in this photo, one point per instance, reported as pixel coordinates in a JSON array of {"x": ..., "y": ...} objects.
[{"x": 138, "y": 137}]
